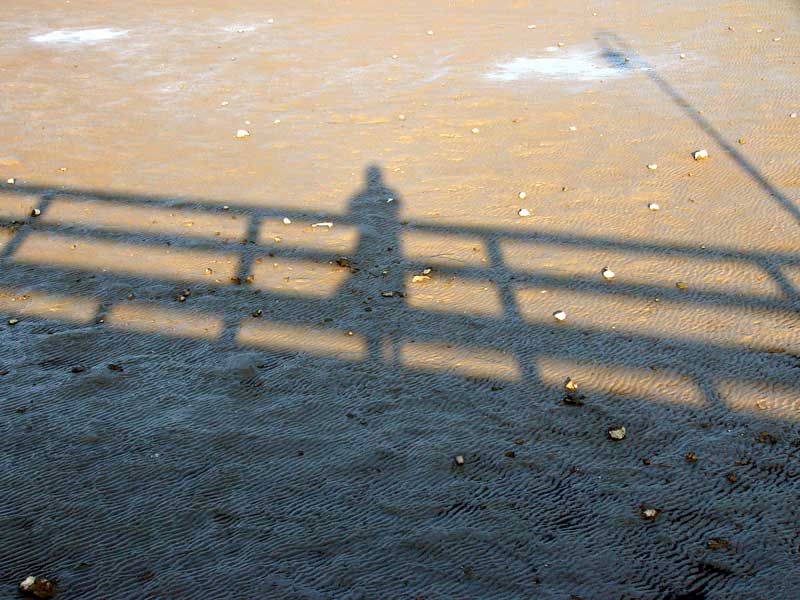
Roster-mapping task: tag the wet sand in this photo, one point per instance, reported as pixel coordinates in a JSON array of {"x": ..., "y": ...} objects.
[{"x": 244, "y": 366}]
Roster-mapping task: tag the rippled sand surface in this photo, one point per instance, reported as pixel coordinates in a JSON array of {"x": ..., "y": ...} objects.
[{"x": 244, "y": 367}]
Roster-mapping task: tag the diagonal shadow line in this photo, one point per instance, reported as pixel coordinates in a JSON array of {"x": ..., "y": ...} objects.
[{"x": 616, "y": 50}]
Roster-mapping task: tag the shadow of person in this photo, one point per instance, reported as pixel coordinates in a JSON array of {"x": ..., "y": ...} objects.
[{"x": 377, "y": 279}]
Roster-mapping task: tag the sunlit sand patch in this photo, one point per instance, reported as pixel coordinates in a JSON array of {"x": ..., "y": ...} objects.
[
  {"x": 293, "y": 338},
  {"x": 72, "y": 309},
  {"x": 145, "y": 219},
  {"x": 78, "y": 36},
  {"x": 469, "y": 361},
  {"x": 642, "y": 268},
  {"x": 336, "y": 240},
  {"x": 646, "y": 384},
  {"x": 743, "y": 326},
  {"x": 762, "y": 398},
  {"x": 298, "y": 277},
  {"x": 442, "y": 250},
  {"x": 577, "y": 66},
  {"x": 148, "y": 317},
  {"x": 157, "y": 262},
  {"x": 454, "y": 295},
  {"x": 17, "y": 207}
]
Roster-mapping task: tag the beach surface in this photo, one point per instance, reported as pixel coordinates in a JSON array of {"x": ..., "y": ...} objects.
[{"x": 290, "y": 293}]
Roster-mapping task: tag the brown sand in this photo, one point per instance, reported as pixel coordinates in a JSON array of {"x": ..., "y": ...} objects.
[{"x": 277, "y": 424}]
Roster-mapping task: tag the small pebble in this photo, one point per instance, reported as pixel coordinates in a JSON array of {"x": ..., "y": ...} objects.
[
  {"x": 652, "y": 166},
  {"x": 522, "y": 195},
  {"x": 324, "y": 224},
  {"x": 459, "y": 460},
  {"x": 277, "y": 121},
  {"x": 78, "y": 369},
  {"x": 270, "y": 20},
  {"x": 395, "y": 56},
  {"x": 524, "y": 212},
  {"x": 242, "y": 133},
  {"x": 430, "y": 31},
  {"x": 570, "y": 385},
  {"x": 13, "y": 321},
  {"x": 559, "y": 315},
  {"x": 531, "y": 26},
  {"x": 608, "y": 273},
  {"x": 700, "y": 154},
  {"x": 475, "y": 130},
  {"x": 653, "y": 206},
  {"x": 649, "y": 514},
  {"x": 573, "y": 128},
  {"x": 38, "y": 587},
  {"x": 287, "y": 221},
  {"x": 682, "y": 55},
  {"x": 420, "y": 278},
  {"x": 209, "y": 271},
  {"x": 617, "y": 433},
  {"x": 402, "y": 117},
  {"x": 741, "y": 141},
  {"x": 691, "y": 457},
  {"x": 776, "y": 39},
  {"x": 224, "y": 103},
  {"x": 11, "y": 181},
  {"x": 791, "y": 116},
  {"x": 257, "y": 313},
  {"x": 36, "y": 212},
  {"x": 682, "y": 285},
  {"x": 560, "y": 44}
]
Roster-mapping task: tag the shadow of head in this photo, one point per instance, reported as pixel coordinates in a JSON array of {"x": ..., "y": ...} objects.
[{"x": 375, "y": 200}]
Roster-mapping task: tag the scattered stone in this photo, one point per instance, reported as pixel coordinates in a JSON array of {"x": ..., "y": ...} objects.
[
  {"x": 617, "y": 433},
  {"x": 236, "y": 280},
  {"x": 511, "y": 454},
  {"x": 570, "y": 386},
  {"x": 270, "y": 20},
  {"x": 522, "y": 195},
  {"x": 742, "y": 141},
  {"x": 682, "y": 55},
  {"x": 459, "y": 461},
  {"x": 242, "y": 133},
  {"x": 649, "y": 513},
  {"x": 277, "y": 121},
  {"x": 209, "y": 271},
  {"x": 430, "y": 31},
  {"x": 402, "y": 117},
  {"x": 765, "y": 437},
  {"x": 559, "y": 315},
  {"x": 257, "y": 313},
  {"x": 608, "y": 273},
  {"x": 791, "y": 116},
  {"x": 327, "y": 224},
  {"x": 524, "y": 212},
  {"x": 475, "y": 130},
  {"x": 37, "y": 587},
  {"x": 572, "y": 397},
  {"x": 224, "y": 103},
  {"x": 115, "y": 367},
  {"x": 393, "y": 294},
  {"x": 718, "y": 544},
  {"x": 519, "y": 442},
  {"x": 652, "y": 166},
  {"x": 573, "y": 128},
  {"x": 691, "y": 457},
  {"x": 395, "y": 56},
  {"x": 560, "y": 44},
  {"x": 731, "y": 477},
  {"x": 682, "y": 285},
  {"x": 426, "y": 271},
  {"x": 653, "y": 206},
  {"x": 11, "y": 181},
  {"x": 36, "y": 212},
  {"x": 13, "y": 321},
  {"x": 776, "y": 39},
  {"x": 531, "y": 26},
  {"x": 700, "y": 154},
  {"x": 78, "y": 369}
]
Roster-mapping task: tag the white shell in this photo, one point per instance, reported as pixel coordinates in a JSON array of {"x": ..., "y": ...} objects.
[
  {"x": 653, "y": 206},
  {"x": 559, "y": 315},
  {"x": 608, "y": 273},
  {"x": 287, "y": 221},
  {"x": 700, "y": 154},
  {"x": 524, "y": 212},
  {"x": 242, "y": 133},
  {"x": 652, "y": 166},
  {"x": 522, "y": 195}
]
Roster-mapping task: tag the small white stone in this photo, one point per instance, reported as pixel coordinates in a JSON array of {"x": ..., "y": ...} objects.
[
  {"x": 531, "y": 26},
  {"x": 653, "y": 206},
  {"x": 573, "y": 128},
  {"x": 700, "y": 154},
  {"x": 287, "y": 221},
  {"x": 36, "y": 212},
  {"x": 401, "y": 117},
  {"x": 459, "y": 460},
  {"x": 389, "y": 200},
  {"x": 395, "y": 56},
  {"x": 224, "y": 103},
  {"x": 524, "y": 212},
  {"x": 682, "y": 55},
  {"x": 559, "y": 315},
  {"x": 13, "y": 321},
  {"x": 560, "y": 44},
  {"x": 247, "y": 122},
  {"x": 327, "y": 224},
  {"x": 475, "y": 130},
  {"x": 11, "y": 181},
  {"x": 420, "y": 278},
  {"x": 776, "y": 39},
  {"x": 617, "y": 433},
  {"x": 242, "y": 133},
  {"x": 270, "y": 20},
  {"x": 276, "y": 121},
  {"x": 608, "y": 273},
  {"x": 793, "y": 116},
  {"x": 430, "y": 31},
  {"x": 522, "y": 195},
  {"x": 652, "y": 166}
]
